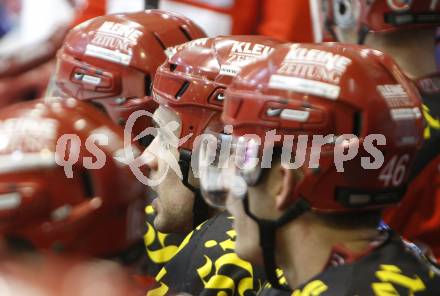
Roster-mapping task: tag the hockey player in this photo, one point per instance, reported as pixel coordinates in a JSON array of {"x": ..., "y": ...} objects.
[
  {"x": 52, "y": 201},
  {"x": 405, "y": 30},
  {"x": 110, "y": 62},
  {"x": 189, "y": 88},
  {"x": 27, "y": 53},
  {"x": 307, "y": 172},
  {"x": 60, "y": 186}
]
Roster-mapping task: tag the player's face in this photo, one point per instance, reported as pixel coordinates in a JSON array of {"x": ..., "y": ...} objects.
[
  {"x": 247, "y": 240},
  {"x": 229, "y": 180},
  {"x": 262, "y": 204},
  {"x": 174, "y": 202}
]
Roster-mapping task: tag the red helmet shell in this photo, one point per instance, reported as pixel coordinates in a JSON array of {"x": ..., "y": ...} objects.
[
  {"x": 96, "y": 211},
  {"x": 332, "y": 89},
  {"x": 111, "y": 60},
  {"x": 193, "y": 79}
]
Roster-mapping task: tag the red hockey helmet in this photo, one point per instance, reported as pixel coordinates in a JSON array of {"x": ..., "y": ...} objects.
[
  {"x": 352, "y": 98},
  {"x": 192, "y": 81},
  {"x": 60, "y": 186},
  {"x": 189, "y": 88},
  {"x": 111, "y": 60},
  {"x": 48, "y": 274},
  {"x": 383, "y": 15}
]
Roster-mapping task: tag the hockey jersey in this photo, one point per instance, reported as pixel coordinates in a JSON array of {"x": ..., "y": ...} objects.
[
  {"x": 206, "y": 264},
  {"x": 394, "y": 268},
  {"x": 417, "y": 218},
  {"x": 160, "y": 247}
]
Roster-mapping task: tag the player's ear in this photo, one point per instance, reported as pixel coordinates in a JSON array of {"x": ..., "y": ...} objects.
[{"x": 288, "y": 180}]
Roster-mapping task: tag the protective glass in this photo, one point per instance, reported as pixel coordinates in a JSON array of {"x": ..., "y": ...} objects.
[{"x": 227, "y": 166}]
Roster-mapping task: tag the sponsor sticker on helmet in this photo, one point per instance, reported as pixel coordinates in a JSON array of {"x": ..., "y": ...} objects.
[
  {"x": 114, "y": 42},
  {"x": 401, "y": 106},
  {"x": 311, "y": 71},
  {"x": 170, "y": 51},
  {"x": 27, "y": 134},
  {"x": 395, "y": 95},
  {"x": 9, "y": 201},
  {"x": 406, "y": 113},
  {"x": 91, "y": 79},
  {"x": 241, "y": 54},
  {"x": 312, "y": 87},
  {"x": 294, "y": 115}
]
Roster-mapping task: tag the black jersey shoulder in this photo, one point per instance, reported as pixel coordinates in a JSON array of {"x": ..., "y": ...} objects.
[
  {"x": 207, "y": 264},
  {"x": 392, "y": 269}
]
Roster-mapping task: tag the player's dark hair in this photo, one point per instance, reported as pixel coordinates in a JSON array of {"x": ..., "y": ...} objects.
[{"x": 349, "y": 220}]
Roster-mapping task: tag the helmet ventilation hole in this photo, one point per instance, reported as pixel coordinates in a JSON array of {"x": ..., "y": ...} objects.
[
  {"x": 182, "y": 90},
  {"x": 357, "y": 124},
  {"x": 148, "y": 85},
  {"x": 185, "y": 33},
  {"x": 159, "y": 41},
  {"x": 173, "y": 67},
  {"x": 89, "y": 191}
]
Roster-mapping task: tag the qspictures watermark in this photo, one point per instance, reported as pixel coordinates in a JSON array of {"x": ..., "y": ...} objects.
[{"x": 345, "y": 148}]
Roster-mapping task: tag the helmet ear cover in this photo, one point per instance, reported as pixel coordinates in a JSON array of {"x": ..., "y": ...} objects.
[{"x": 75, "y": 77}]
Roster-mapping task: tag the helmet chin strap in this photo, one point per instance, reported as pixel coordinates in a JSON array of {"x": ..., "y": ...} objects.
[
  {"x": 200, "y": 207},
  {"x": 268, "y": 230}
]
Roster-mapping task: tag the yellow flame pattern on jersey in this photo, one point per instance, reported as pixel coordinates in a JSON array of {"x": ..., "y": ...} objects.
[
  {"x": 281, "y": 279},
  {"x": 391, "y": 275},
  {"x": 431, "y": 122},
  {"x": 314, "y": 288},
  {"x": 209, "y": 272},
  {"x": 157, "y": 250},
  {"x": 163, "y": 288}
]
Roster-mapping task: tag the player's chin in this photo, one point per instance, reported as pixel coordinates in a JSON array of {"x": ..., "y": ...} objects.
[
  {"x": 167, "y": 223},
  {"x": 158, "y": 223},
  {"x": 247, "y": 250},
  {"x": 161, "y": 222}
]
